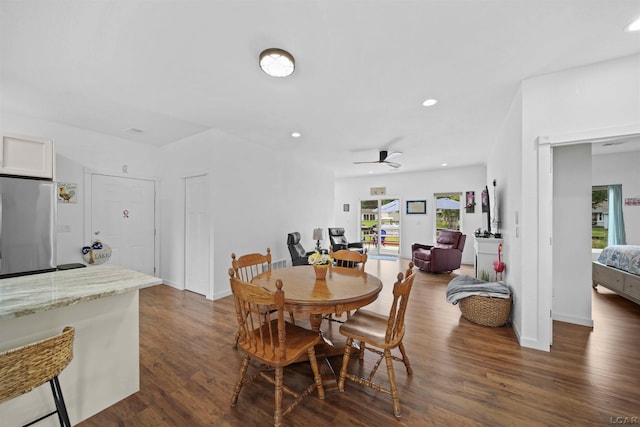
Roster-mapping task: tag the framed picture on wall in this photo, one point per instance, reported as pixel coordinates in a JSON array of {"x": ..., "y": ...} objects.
[
  {"x": 416, "y": 207},
  {"x": 67, "y": 192},
  {"x": 470, "y": 204},
  {"x": 485, "y": 200}
]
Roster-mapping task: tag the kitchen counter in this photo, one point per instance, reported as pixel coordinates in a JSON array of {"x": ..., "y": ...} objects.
[
  {"x": 24, "y": 295},
  {"x": 102, "y": 304}
]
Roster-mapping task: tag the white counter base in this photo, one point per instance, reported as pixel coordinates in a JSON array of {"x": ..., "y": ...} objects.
[{"x": 105, "y": 366}]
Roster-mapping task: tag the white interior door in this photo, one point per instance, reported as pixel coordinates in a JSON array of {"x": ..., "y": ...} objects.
[
  {"x": 123, "y": 215},
  {"x": 197, "y": 259}
]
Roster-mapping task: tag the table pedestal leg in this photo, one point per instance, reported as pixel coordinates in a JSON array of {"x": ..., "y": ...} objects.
[{"x": 329, "y": 378}]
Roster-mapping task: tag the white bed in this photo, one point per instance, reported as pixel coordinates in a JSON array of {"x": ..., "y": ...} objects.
[{"x": 618, "y": 269}]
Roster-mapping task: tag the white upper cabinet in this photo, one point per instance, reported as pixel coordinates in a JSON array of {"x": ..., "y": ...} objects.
[{"x": 26, "y": 156}]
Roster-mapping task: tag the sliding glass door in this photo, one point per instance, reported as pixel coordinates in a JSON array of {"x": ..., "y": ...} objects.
[{"x": 380, "y": 227}]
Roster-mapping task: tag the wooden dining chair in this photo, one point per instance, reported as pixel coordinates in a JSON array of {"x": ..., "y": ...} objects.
[
  {"x": 250, "y": 265},
  {"x": 267, "y": 338},
  {"x": 349, "y": 259},
  {"x": 246, "y": 267},
  {"x": 380, "y": 334},
  {"x": 24, "y": 368}
]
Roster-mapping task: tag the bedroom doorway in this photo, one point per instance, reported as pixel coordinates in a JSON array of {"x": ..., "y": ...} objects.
[{"x": 547, "y": 254}]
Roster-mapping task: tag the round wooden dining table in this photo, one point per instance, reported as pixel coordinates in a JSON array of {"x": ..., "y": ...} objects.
[{"x": 342, "y": 290}]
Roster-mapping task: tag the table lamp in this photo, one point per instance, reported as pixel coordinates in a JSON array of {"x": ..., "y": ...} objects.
[{"x": 317, "y": 236}]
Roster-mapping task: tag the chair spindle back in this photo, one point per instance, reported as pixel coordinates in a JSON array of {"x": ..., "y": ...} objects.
[
  {"x": 250, "y": 265},
  {"x": 350, "y": 259},
  {"x": 401, "y": 292},
  {"x": 260, "y": 318}
]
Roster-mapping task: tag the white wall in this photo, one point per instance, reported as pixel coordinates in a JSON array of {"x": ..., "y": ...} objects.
[
  {"x": 586, "y": 99},
  {"x": 504, "y": 166},
  {"x": 413, "y": 186},
  {"x": 77, "y": 150},
  {"x": 572, "y": 234},
  {"x": 622, "y": 168},
  {"x": 257, "y": 197}
]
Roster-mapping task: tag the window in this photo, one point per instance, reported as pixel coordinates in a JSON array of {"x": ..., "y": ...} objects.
[
  {"x": 447, "y": 211},
  {"x": 599, "y": 217}
]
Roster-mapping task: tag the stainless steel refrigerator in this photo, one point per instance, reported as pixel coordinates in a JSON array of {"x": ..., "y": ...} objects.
[{"x": 27, "y": 226}]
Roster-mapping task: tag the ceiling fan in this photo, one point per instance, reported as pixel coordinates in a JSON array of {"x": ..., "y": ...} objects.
[{"x": 385, "y": 156}]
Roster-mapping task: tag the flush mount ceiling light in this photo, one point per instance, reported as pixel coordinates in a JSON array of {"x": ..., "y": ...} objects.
[
  {"x": 277, "y": 62},
  {"x": 430, "y": 102}
]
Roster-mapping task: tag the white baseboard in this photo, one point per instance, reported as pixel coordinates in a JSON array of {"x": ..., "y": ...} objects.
[
  {"x": 534, "y": 344},
  {"x": 173, "y": 284},
  {"x": 223, "y": 294},
  {"x": 572, "y": 319},
  {"x": 528, "y": 342}
]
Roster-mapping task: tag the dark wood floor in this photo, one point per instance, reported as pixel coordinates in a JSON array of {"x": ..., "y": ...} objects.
[{"x": 464, "y": 374}]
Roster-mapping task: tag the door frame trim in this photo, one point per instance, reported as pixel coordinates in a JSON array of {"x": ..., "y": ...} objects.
[{"x": 542, "y": 256}]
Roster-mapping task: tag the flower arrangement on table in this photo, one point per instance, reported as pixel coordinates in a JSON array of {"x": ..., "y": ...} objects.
[
  {"x": 321, "y": 263},
  {"x": 319, "y": 259}
]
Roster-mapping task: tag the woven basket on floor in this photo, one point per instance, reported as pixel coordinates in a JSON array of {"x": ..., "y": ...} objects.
[{"x": 485, "y": 310}]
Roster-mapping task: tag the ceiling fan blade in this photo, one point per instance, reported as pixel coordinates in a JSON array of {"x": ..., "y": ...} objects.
[
  {"x": 393, "y": 154},
  {"x": 384, "y": 158}
]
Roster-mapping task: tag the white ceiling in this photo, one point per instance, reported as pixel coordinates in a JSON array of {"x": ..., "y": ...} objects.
[{"x": 175, "y": 68}]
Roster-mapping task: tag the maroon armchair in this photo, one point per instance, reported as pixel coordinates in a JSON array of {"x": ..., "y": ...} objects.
[{"x": 444, "y": 255}]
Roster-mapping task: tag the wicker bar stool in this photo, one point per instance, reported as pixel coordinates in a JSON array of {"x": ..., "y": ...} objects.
[{"x": 24, "y": 368}]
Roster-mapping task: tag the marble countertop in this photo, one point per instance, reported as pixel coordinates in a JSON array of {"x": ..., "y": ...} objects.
[{"x": 24, "y": 295}]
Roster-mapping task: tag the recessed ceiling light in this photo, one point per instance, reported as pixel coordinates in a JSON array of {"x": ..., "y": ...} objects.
[
  {"x": 430, "y": 102},
  {"x": 634, "y": 26},
  {"x": 277, "y": 62},
  {"x": 443, "y": 164},
  {"x": 370, "y": 171},
  {"x": 296, "y": 134}
]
